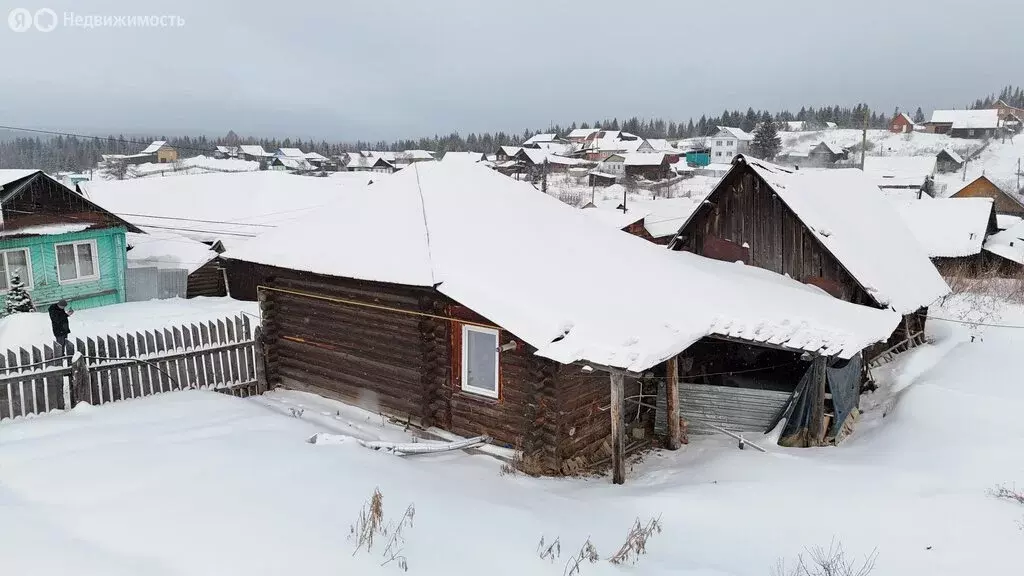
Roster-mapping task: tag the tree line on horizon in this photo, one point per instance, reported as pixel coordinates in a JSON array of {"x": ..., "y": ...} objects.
[{"x": 80, "y": 153}]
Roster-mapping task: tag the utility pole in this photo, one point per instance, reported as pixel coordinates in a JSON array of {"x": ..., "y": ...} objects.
[
  {"x": 864, "y": 138},
  {"x": 1018, "y": 174}
]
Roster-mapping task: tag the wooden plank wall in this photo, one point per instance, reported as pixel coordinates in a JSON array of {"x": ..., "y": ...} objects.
[
  {"x": 744, "y": 210},
  {"x": 218, "y": 354}
]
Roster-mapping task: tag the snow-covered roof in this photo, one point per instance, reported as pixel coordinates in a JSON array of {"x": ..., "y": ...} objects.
[
  {"x": 953, "y": 155},
  {"x": 227, "y": 149},
  {"x": 315, "y": 156},
  {"x": 644, "y": 159},
  {"x": 418, "y": 154},
  {"x": 152, "y": 148},
  {"x": 464, "y": 157},
  {"x": 437, "y": 209},
  {"x": 613, "y": 217},
  {"x": 661, "y": 145},
  {"x": 253, "y": 150},
  {"x": 293, "y": 163},
  {"x": 831, "y": 147},
  {"x": 291, "y": 152},
  {"x": 385, "y": 154},
  {"x": 537, "y": 156},
  {"x": 1005, "y": 221},
  {"x": 1008, "y": 244},
  {"x": 166, "y": 249},
  {"x": 967, "y": 119},
  {"x": 218, "y": 206},
  {"x": 853, "y": 220},
  {"x": 907, "y": 118},
  {"x": 916, "y": 167},
  {"x": 664, "y": 215},
  {"x": 948, "y": 227},
  {"x": 9, "y": 175},
  {"x": 726, "y": 131},
  {"x": 583, "y": 132},
  {"x": 602, "y": 174},
  {"x": 537, "y": 138},
  {"x": 795, "y": 126},
  {"x": 830, "y": 125},
  {"x": 510, "y": 150},
  {"x": 45, "y": 229}
]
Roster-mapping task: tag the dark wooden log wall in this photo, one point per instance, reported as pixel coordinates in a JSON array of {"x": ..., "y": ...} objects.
[
  {"x": 364, "y": 356},
  {"x": 408, "y": 366},
  {"x": 743, "y": 209},
  {"x": 207, "y": 281}
]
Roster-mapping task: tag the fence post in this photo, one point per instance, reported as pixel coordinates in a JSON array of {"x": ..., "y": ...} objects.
[
  {"x": 261, "y": 362},
  {"x": 80, "y": 382}
]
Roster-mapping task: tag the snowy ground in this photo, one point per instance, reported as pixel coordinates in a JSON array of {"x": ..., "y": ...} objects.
[
  {"x": 199, "y": 483},
  {"x": 33, "y": 329},
  {"x": 998, "y": 161}
]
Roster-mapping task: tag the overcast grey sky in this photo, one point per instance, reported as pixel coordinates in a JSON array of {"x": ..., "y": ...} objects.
[{"x": 406, "y": 68}]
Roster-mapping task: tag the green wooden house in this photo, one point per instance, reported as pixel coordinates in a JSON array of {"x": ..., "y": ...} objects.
[{"x": 60, "y": 244}]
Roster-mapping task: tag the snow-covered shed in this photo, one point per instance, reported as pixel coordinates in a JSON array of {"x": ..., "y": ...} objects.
[
  {"x": 951, "y": 230},
  {"x": 1007, "y": 249},
  {"x": 830, "y": 228},
  {"x": 156, "y": 260},
  {"x": 491, "y": 309}
]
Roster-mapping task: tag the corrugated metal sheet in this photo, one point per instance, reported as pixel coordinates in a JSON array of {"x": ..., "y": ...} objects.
[
  {"x": 151, "y": 283},
  {"x": 734, "y": 409}
]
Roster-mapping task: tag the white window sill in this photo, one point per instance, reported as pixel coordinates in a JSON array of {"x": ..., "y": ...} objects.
[{"x": 491, "y": 394}]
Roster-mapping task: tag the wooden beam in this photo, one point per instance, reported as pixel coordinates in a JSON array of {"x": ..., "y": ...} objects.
[
  {"x": 817, "y": 399},
  {"x": 618, "y": 430},
  {"x": 672, "y": 401}
]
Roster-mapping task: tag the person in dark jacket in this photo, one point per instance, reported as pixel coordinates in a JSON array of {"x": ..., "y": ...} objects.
[{"x": 59, "y": 314}]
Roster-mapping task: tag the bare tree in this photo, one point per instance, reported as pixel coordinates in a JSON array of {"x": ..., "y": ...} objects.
[{"x": 119, "y": 169}]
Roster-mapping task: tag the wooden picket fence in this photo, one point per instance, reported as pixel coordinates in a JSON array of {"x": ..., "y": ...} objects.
[{"x": 222, "y": 355}]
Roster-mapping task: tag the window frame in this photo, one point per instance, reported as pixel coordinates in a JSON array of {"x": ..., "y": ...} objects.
[
  {"x": 28, "y": 282},
  {"x": 464, "y": 360},
  {"x": 78, "y": 279}
]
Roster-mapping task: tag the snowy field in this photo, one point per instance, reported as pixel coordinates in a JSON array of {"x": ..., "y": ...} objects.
[
  {"x": 33, "y": 328},
  {"x": 998, "y": 161},
  {"x": 200, "y": 483}
]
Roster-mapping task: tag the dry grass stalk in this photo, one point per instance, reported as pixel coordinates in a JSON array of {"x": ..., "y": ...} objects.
[
  {"x": 636, "y": 541},
  {"x": 550, "y": 552},
  {"x": 832, "y": 561},
  {"x": 587, "y": 553},
  {"x": 369, "y": 523},
  {"x": 393, "y": 549}
]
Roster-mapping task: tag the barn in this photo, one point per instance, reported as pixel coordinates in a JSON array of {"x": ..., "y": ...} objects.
[
  {"x": 829, "y": 228},
  {"x": 492, "y": 309}
]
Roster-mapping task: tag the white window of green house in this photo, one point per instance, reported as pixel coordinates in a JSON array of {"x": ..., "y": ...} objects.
[
  {"x": 15, "y": 263},
  {"x": 480, "y": 361},
  {"x": 77, "y": 262}
]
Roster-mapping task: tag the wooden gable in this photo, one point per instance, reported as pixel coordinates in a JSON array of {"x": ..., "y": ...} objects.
[
  {"x": 743, "y": 219},
  {"x": 985, "y": 188},
  {"x": 39, "y": 200}
]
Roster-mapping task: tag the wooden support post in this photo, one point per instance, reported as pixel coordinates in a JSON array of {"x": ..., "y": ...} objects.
[
  {"x": 261, "y": 361},
  {"x": 80, "y": 388},
  {"x": 672, "y": 402},
  {"x": 618, "y": 431},
  {"x": 817, "y": 398}
]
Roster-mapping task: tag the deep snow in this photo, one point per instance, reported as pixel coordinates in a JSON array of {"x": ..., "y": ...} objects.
[{"x": 199, "y": 483}]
